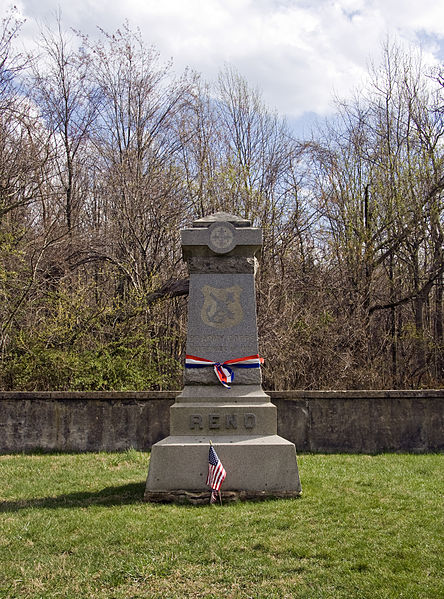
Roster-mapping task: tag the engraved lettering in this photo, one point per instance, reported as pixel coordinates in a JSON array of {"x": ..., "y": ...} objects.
[
  {"x": 196, "y": 421},
  {"x": 249, "y": 420},
  {"x": 213, "y": 421},
  {"x": 221, "y": 338},
  {"x": 231, "y": 421}
]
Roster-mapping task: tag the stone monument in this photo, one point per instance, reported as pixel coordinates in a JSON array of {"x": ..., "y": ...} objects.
[{"x": 239, "y": 418}]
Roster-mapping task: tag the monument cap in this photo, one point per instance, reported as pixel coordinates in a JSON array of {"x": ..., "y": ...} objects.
[
  {"x": 224, "y": 217},
  {"x": 220, "y": 233}
]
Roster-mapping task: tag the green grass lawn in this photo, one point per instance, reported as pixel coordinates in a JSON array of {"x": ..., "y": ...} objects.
[{"x": 75, "y": 526}]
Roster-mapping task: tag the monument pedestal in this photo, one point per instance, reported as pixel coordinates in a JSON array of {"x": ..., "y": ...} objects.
[
  {"x": 257, "y": 467},
  {"x": 241, "y": 421}
]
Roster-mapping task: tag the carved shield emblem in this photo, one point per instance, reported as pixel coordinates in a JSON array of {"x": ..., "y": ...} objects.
[{"x": 222, "y": 307}]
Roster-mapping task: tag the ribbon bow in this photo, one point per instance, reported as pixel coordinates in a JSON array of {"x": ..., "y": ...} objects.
[{"x": 223, "y": 371}]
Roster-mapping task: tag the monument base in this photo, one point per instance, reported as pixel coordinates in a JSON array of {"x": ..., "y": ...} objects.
[
  {"x": 258, "y": 467},
  {"x": 203, "y": 497}
]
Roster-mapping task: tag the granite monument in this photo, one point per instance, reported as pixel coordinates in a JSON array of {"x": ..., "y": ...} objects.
[{"x": 221, "y": 253}]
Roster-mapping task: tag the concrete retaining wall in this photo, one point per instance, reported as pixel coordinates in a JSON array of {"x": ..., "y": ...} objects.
[{"x": 316, "y": 421}]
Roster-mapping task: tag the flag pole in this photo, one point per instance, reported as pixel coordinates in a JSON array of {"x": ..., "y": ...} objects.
[{"x": 211, "y": 494}]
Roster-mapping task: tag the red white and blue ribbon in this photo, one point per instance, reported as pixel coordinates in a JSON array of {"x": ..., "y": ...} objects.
[{"x": 223, "y": 371}]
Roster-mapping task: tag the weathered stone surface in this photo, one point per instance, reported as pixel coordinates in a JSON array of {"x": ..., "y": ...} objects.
[
  {"x": 220, "y": 238},
  {"x": 215, "y": 394},
  {"x": 222, "y": 304},
  {"x": 223, "y": 217},
  {"x": 253, "y": 463},
  {"x": 222, "y": 325},
  {"x": 315, "y": 421},
  {"x": 222, "y": 265},
  {"x": 221, "y": 253},
  {"x": 203, "y": 497},
  {"x": 82, "y": 421},
  {"x": 374, "y": 424},
  {"x": 222, "y": 419}
]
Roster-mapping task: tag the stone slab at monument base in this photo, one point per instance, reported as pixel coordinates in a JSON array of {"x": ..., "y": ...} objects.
[{"x": 258, "y": 467}]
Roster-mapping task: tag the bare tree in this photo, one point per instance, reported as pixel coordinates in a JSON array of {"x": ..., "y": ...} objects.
[
  {"x": 380, "y": 183},
  {"x": 138, "y": 143},
  {"x": 62, "y": 88}
]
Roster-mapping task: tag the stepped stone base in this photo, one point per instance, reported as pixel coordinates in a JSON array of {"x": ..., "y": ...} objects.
[
  {"x": 257, "y": 467},
  {"x": 212, "y": 410}
]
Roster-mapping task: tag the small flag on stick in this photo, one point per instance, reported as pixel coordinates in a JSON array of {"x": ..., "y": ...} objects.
[{"x": 216, "y": 474}]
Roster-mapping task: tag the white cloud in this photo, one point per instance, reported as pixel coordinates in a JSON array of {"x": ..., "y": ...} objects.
[{"x": 296, "y": 51}]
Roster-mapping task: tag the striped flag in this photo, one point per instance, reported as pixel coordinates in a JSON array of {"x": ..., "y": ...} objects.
[{"x": 216, "y": 474}]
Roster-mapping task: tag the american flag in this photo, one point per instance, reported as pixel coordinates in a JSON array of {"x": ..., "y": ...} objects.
[{"x": 216, "y": 474}]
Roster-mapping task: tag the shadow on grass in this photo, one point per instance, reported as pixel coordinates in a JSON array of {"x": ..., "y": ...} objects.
[{"x": 109, "y": 496}]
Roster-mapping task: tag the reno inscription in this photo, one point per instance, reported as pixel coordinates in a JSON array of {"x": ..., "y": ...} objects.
[{"x": 223, "y": 421}]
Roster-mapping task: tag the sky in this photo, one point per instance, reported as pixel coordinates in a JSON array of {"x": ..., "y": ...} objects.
[{"x": 298, "y": 53}]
